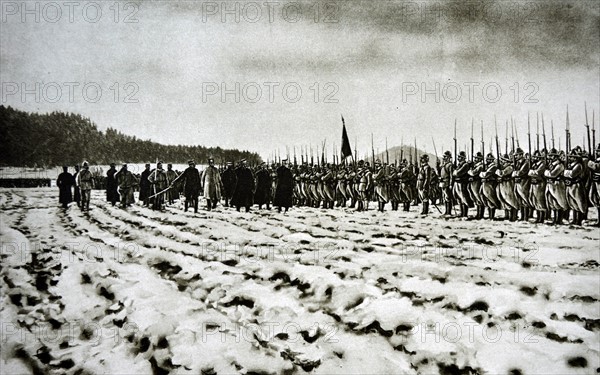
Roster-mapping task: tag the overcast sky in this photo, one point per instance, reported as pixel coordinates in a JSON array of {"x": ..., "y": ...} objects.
[{"x": 367, "y": 60}]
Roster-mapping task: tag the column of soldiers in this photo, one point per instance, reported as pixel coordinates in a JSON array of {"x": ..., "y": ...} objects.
[{"x": 546, "y": 186}]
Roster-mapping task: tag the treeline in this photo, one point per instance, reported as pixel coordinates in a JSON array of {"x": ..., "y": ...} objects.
[{"x": 57, "y": 138}]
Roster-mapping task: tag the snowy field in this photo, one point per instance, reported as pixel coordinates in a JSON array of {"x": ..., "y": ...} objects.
[{"x": 315, "y": 291}]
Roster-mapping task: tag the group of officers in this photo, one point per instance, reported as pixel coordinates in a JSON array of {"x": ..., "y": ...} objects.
[{"x": 547, "y": 186}]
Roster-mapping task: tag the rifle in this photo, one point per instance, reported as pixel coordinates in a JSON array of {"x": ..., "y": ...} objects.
[
  {"x": 545, "y": 147},
  {"x": 497, "y": 144},
  {"x": 587, "y": 126},
  {"x": 401, "y": 149},
  {"x": 537, "y": 132},
  {"x": 295, "y": 161},
  {"x": 472, "y": 140},
  {"x": 416, "y": 158},
  {"x": 516, "y": 133},
  {"x": 551, "y": 130},
  {"x": 594, "y": 133},
  {"x": 529, "y": 133},
  {"x": 387, "y": 154},
  {"x": 567, "y": 135},
  {"x": 506, "y": 139},
  {"x": 372, "y": 154},
  {"x": 455, "y": 145},
  {"x": 482, "y": 145}
]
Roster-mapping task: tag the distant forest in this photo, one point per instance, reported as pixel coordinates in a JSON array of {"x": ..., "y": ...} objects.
[{"x": 57, "y": 138}]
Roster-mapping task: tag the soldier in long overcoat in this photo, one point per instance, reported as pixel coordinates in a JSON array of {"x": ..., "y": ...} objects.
[
  {"x": 244, "y": 187},
  {"x": 65, "y": 182},
  {"x": 285, "y": 188},
  {"x": 211, "y": 181}
]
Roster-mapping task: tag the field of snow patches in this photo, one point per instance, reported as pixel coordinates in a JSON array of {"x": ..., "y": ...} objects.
[{"x": 313, "y": 291}]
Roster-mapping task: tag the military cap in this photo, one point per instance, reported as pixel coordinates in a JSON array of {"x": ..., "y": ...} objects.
[
  {"x": 191, "y": 161},
  {"x": 553, "y": 152},
  {"x": 447, "y": 154},
  {"x": 462, "y": 154},
  {"x": 519, "y": 151},
  {"x": 479, "y": 155},
  {"x": 425, "y": 157}
]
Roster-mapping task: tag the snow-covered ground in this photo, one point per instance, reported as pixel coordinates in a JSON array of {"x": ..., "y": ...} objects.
[{"x": 320, "y": 291}]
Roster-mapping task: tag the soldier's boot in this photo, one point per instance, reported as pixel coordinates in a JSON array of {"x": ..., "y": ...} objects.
[
  {"x": 407, "y": 206},
  {"x": 196, "y": 206},
  {"x": 506, "y": 215},
  {"x": 560, "y": 216},
  {"x": 425, "y": 210},
  {"x": 247, "y": 208},
  {"x": 580, "y": 216},
  {"x": 260, "y": 206},
  {"x": 481, "y": 210},
  {"x": 491, "y": 213},
  {"x": 513, "y": 214},
  {"x": 566, "y": 215},
  {"x": 597, "y": 224},
  {"x": 366, "y": 206}
]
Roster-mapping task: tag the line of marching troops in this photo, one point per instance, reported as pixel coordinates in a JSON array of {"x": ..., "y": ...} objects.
[
  {"x": 548, "y": 186},
  {"x": 551, "y": 185}
]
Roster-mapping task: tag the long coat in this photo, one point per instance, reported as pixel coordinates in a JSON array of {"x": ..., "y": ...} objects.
[
  {"x": 191, "y": 183},
  {"x": 285, "y": 187},
  {"x": 263, "y": 187},
  {"x": 112, "y": 195},
  {"x": 211, "y": 180},
  {"x": 244, "y": 188},
  {"x": 229, "y": 179},
  {"x": 144, "y": 185},
  {"x": 64, "y": 182},
  {"x": 126, "y": 181}
]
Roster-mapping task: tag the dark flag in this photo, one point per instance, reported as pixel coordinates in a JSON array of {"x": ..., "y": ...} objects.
[{"x": 346, "y": 150}]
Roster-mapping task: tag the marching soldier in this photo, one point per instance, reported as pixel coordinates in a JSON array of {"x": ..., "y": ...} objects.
[
  {"x": 537, "y": 188},
  {"x": 474, "y": 186},
  {"x": 85, "y": 181},
  {"x": 489, "y": 184},
  {"x": 211, "y": 181},
  {"x": 446, "y": 182},
  {"x": 556, "y": 195},
  {"x": 328, "y": 186},
  {"x": 594, "y": 166},
  {"x": 461, "y": 181},
  {"x": 365, "y": 180},
  {"x": 407, "y": 193},
  {"x": 394, "y": 187},
  {"x": 262, "y": 195},
  {"x": 424, "y": 183},
  {"x": 505, "y": 189},
  {"x": 340, "y": 188},
  {"x": 577, "y": 198},
  {"x": 351, "y": 185},
  {"x": 381, "y": 188},
  {"x": 159, "y": 182},
  {"x": 522, "y": 183}
]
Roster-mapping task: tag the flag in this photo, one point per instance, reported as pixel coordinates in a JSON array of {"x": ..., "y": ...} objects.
[{"x": 346, "y": 150}]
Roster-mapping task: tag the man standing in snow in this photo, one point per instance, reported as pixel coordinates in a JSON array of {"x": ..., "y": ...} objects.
[
  {"x": 228, "y": 178},
  {"x": 85, "y": 182},
  {"x": 424, "y": 183},
  {"x": 158, "y": 181},
  {"x": 145, "y": 186},
  {"x": 112, "y": 194},
  {"x": 244, "y": 187},
  {"x": 594, "y": 166},
  {"x": 126, "y": 181},
  {"x": 211, "y": 180},
  {"x": 446, "y": 182},
  {"x": 263, "y": 187},
  {"x": 191, "y": 185},
  {"x": 64, "y": 182},
  {"x": 285, "y": 187}
]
